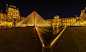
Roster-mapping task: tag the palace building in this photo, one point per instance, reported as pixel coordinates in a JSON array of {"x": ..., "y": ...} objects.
[
  {"x": 62, "y": 21},
  {"x": 11, "y": 16},
  {"x": 56, "y": 21},
  {"x": 70, "y": 21},
  {"x": 81, "y": 20}
]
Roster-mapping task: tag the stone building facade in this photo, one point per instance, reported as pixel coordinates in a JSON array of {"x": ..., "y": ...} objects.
[
  {"x": 11, "y": 16},
  {"x": 62, "y": 21},
  {"x": 81, "y": 20},
  {"x": 70, "y": 21}
]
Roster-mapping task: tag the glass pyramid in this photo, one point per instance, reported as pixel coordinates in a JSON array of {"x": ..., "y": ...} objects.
[{"x": 33, "y": 19}]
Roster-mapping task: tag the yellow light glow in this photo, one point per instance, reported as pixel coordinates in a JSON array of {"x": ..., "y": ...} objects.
[
  {"x": 57, "y": 37},
  {"x": 41, "y": 39}
]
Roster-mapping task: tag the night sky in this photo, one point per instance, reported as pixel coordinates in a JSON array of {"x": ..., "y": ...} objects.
[{"x": 46, "y": 9}]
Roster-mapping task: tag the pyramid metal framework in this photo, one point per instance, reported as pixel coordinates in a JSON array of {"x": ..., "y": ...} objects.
[{"x": 34, "y": 19}]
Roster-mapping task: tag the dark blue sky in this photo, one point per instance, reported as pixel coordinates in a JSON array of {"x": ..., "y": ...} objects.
[{"x": 47, "y": 9}]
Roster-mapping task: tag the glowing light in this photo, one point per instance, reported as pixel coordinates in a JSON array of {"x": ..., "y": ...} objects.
[
  {"x": 34, "y": 18},
  {"x": 57, "y": 37},
  {"x": 43, "y": 45},
  {"x": 34, "y": 27},
  {"x": 40, "y": 37}
]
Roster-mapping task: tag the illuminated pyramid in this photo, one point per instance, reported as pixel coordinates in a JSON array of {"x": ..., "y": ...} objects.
[{"x": 34, "y": 19}]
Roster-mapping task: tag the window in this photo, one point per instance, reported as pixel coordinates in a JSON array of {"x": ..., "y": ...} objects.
[
  {"x": 14, "y": 19},
  {"x": 10, "y": 19}
]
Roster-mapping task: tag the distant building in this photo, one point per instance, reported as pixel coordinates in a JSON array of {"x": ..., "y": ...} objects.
[
  {"x": 50, "y": 21},
  {"x": 11, "y": 16},
  {"x": 56, "y": 21},
  {"x": 3, "y": 19},
  {"x": 81, "y": 20},
  {"x": 62, "y": 21},
  {"x": 68, "y": 21}
]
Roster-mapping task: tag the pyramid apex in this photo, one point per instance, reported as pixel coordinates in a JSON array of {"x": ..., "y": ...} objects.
[{"x": 34, "y": 11}]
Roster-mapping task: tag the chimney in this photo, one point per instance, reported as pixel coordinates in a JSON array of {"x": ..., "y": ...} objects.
[
  {"x": 6, "y": 6},
  {"x": 1, "y": 11}
]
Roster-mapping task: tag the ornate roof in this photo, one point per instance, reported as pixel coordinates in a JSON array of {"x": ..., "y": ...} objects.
[{"x": 56, "y": 15}]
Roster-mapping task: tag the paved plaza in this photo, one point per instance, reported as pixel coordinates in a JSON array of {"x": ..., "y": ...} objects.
[
  {"x": 73, "y": 39},
  {"x": 24, "y": 39}
]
